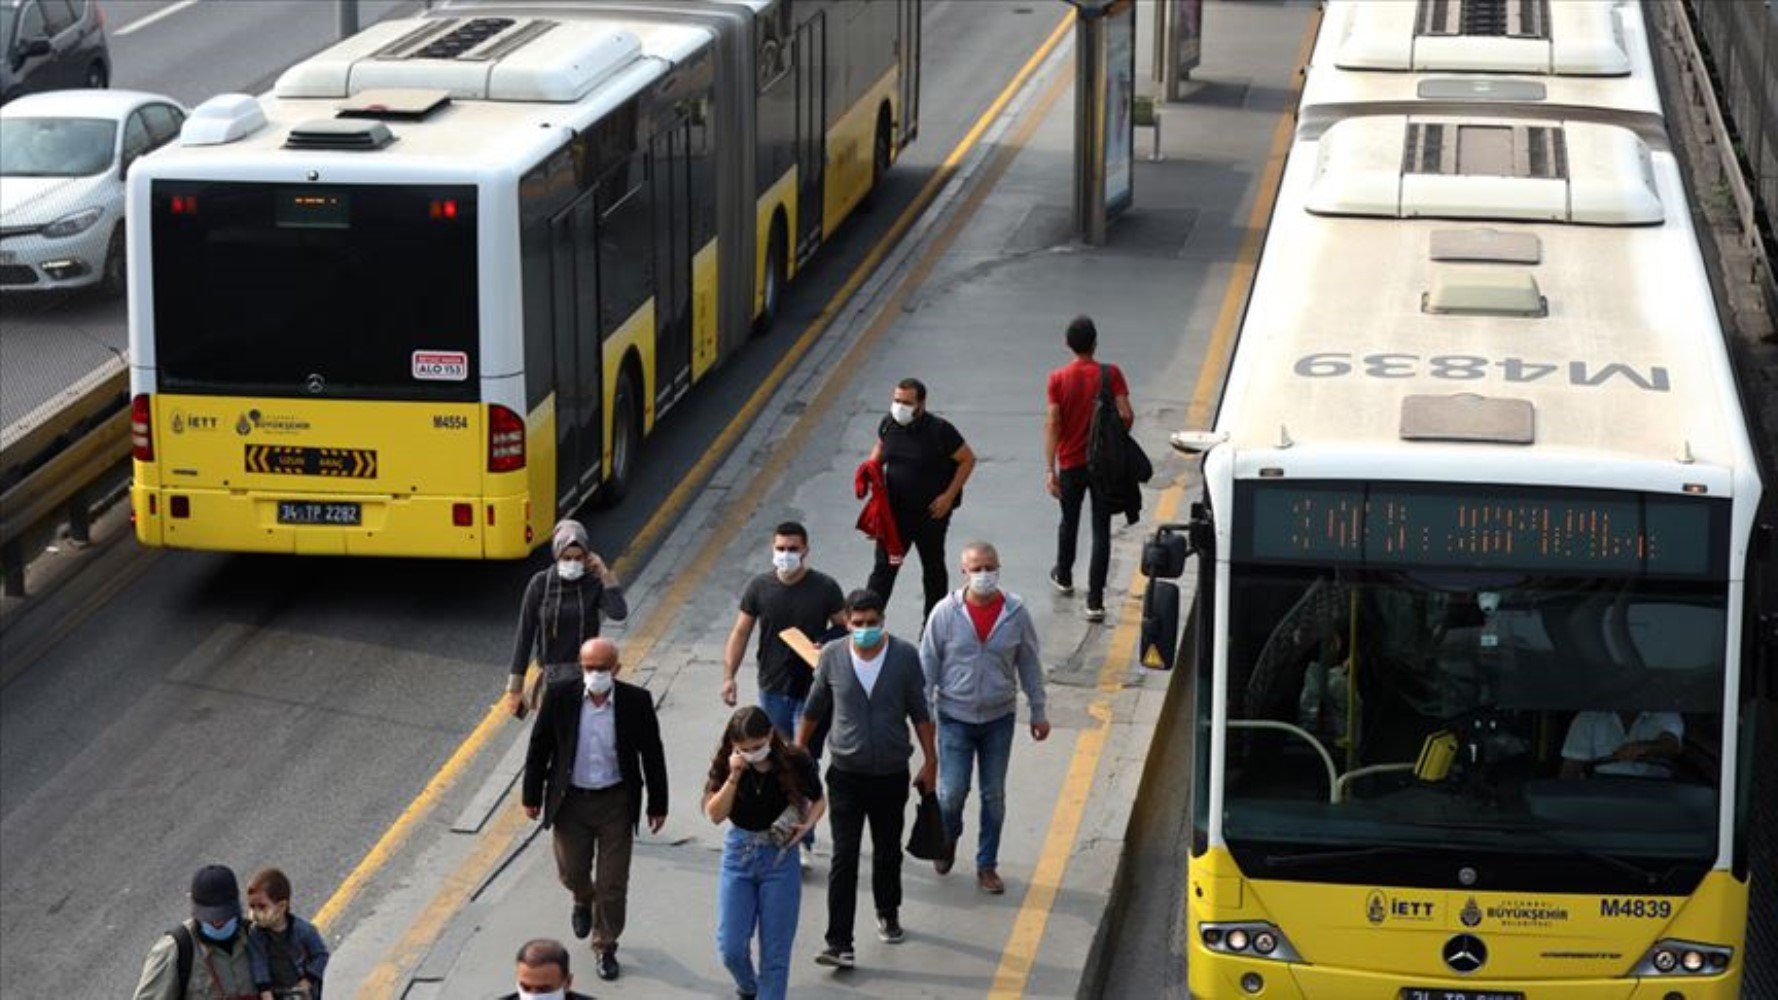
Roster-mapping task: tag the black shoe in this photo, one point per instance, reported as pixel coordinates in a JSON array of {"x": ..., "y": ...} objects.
[
  {"x": 605, "y": 963},
  {"x": 889, "y": 928},
  {"x": 582, "y": 920},
  {"x": 836, "y": 958},
  {"x": 942, "y": 864},
  {"x": 1095, "y": 612},
  {"x": 1062, "y": 586},
  {"x": 746, "y": 996}
]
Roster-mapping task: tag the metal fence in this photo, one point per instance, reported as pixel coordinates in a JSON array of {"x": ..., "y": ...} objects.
[{"x": 1740, "y": 43}]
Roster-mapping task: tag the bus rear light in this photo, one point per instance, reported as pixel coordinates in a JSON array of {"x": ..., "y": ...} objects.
[
  {"x": 506, "y": 439},
  {"x": 462, "y": 515},
  {"x": 141, "y": 429},
  {"x": 179, "y": 506}
]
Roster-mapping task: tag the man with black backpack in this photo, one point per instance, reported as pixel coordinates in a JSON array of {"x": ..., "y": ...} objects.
[
  {"x": 204, "y": 958},
  {"x": 1076, "y": 390}
]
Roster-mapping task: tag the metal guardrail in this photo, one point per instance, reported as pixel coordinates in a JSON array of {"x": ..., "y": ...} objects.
[
  {"x": 1730, "y": 50},
  {"x": 53, "y": 460}
]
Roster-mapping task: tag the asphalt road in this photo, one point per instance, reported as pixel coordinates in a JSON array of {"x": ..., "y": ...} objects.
[
  {"x": 189, "y": 51},
  {"x": 257, "y": 710}
]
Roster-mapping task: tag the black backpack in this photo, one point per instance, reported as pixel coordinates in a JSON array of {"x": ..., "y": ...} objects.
[{"x": 181, "y": 935}]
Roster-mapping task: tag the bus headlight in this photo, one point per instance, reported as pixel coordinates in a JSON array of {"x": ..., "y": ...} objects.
[
  {"x": 1252, "y": 938},
  {"x": 1683, "y": 958}
]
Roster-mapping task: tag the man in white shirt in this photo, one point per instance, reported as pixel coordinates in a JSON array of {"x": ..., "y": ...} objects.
[{"x": 1626, "y": 744}]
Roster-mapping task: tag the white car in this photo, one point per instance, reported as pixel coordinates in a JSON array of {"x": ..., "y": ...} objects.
[{"x": 63, "y": 158}]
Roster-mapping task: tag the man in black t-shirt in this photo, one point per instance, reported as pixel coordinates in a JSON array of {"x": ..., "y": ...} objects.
[
  {"x": 790, "y": 596},
  {"x": 925, "y": 463}
]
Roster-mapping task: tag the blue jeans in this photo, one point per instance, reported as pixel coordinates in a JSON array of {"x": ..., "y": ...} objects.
[
  {"x": 786, "y": 712},
  {"x": 760, "y": 891},
  {"x": 961, "y": 747}
]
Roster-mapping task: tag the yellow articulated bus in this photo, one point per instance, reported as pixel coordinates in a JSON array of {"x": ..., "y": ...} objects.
[
  {"x": 1483, "y": 546},
  {"x": 435, "y": 289}
]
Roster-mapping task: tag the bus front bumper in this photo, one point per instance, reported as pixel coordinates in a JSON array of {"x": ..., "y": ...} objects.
[
  {"x": 395, "y": 526},
  {"x": 1221, "y": 976}
]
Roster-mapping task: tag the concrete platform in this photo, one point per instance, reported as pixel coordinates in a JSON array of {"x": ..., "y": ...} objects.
[{"x": 973, "y": 302}]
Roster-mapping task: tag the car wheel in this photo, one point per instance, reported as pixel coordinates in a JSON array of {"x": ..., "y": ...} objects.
[
  {"x": 96, "y": 77},
  {"x": 626, "y": 438},
  {"x": 114, "y": 276}
]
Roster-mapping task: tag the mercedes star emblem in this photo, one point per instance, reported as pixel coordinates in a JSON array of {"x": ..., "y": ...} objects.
[
  {"x": 317, "y": 384},
  {"x": 1465, "y": 953}
]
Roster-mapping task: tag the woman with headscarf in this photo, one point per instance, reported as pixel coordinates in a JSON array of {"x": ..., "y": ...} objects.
[{"x": 562, "y": 608}]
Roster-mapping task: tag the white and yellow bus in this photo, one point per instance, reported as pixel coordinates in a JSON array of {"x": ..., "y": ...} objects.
[
  {"x": 434, "y": 290},
  {"x": 1474, "y": 664}
]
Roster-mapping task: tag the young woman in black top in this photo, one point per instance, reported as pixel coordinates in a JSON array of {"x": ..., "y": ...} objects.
[{"x": 769, "y": 791}]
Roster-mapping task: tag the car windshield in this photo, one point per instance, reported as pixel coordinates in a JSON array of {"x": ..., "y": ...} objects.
[
  {"x": 56, "y": 147},
  {"x": 1533, "y": 713}
]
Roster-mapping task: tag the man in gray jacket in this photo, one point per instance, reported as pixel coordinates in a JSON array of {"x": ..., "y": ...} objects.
[
  {"x": 867, "y": 690},
  {"x": 980, "y": 647}
]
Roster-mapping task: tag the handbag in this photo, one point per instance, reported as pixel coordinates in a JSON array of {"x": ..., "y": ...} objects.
[
  {"x": 783, "y": 829},
  {"x": 927, "y": 840}
]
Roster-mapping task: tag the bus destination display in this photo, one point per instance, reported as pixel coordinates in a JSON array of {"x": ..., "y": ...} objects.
[
  {"x": 309, "y": 209},
  {"x": 1532, "y": 530}
]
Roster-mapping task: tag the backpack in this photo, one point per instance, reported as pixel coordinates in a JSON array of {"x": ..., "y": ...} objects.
[
  {"x": 182, "y": 942},
  {"x": 1106, "y": 440}
]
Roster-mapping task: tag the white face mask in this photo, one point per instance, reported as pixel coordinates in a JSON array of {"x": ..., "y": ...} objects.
[
  {"x": 901, "y": 413},
  {"x": 570, "y": 569},
  {"x": 551, "y": 995},
  {"x": 756, "y": 755},
  {"x": 787, "y": 562},
  {"x": 984, "y": 582},
  {"x": 598, "y": 682}
]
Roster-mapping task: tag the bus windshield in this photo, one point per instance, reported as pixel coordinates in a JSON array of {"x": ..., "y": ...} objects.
[
  {"x": 1496, "y": 713},
  {"x": 346, "y": 291}
]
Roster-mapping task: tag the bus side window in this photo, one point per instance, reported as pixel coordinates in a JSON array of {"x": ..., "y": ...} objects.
[{"x": 626, "y": 245}]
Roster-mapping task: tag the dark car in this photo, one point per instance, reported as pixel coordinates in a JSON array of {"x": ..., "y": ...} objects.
[{"x": 51, "y": 45}]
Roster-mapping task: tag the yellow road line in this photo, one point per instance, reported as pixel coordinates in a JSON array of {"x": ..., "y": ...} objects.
[
  {"x": 1058, "y": 844},
  {"x": 700, "y": 472},
  {"x": 384, "y": 980},
  {"x": 398, "y": 832}
]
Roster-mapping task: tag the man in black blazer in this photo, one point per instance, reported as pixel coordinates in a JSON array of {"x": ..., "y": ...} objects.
[{"x": 595, "y": 748}]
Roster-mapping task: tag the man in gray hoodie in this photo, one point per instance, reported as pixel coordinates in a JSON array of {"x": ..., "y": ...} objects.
[{"x": 980, "y": 647}]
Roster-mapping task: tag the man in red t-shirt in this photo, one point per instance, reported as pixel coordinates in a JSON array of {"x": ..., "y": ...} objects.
[{"x": 1073, "y": 392}]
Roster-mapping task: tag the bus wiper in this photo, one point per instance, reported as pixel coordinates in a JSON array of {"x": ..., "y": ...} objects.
[
  {"x": 1336, "y": 854},
  {"x": 1593, "y": 854}
]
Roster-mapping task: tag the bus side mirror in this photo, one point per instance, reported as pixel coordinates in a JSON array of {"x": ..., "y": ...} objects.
[
  {"x": 1160, "y": 625},
  {"x": 1164, "y": 554}
]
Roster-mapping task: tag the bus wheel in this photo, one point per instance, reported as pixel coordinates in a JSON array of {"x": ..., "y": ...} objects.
[
  {"x": 113, "y": 278},
  {"x": 626, "y": 439},
  {"x": 774, "y": 281},
  {"x": 879, "y": 161}
]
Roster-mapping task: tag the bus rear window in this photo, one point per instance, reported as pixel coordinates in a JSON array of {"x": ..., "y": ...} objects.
[{"x": 342, "y": 291}]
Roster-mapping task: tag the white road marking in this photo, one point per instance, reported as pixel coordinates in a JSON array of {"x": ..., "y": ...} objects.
[{"x": 165, "y": 12}]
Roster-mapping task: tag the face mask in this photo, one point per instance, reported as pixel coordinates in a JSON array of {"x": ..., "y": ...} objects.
[
  {"x": 267, "y": 919},
  {"x": 570, "y": 569},
  {"x": 551, "y": 995},
  {"x": 867, "y": 638},
  {"x": 787, "y": 562},
  {"x": 757, "y": 756},
  {"x": 222, "y": 933},
  {"x": 598, "y": 682},
  {"x": 984, "y": 582},
  {"x": 901, "y": 413}
]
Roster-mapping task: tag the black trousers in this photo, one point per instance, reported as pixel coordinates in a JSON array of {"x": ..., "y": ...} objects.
[
  {"x": 925, "y": 536},
  {"x": 852, "y": 801},
  {"x": 1075, "y": 490}
]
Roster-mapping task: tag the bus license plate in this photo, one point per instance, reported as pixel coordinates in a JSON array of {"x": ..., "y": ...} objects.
[
  {"x": 1439, "y": 993},
  {"x": 310, "y": 512}
]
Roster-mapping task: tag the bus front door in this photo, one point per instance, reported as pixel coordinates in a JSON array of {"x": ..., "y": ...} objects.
[
  {"x": 670, "y": 149},
  {"x": 907, "y": 50},
  {"x": 810, "y": 55}
]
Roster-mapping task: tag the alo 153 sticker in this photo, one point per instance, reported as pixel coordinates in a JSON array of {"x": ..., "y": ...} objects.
[{"x": 441, "y": 366}]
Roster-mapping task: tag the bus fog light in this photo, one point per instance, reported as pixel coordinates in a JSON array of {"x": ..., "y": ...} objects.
[
  {"x": 179, "y": 506},
  {"x": 1265, "y": 942},
  {"x": 462, "y": 515},
  {"x": 1212, "y": 936},
  {"x": 1252, "y": 982},
  {"x": 1237, "y": 940},
  {"x": 1692, "y": 961}
]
